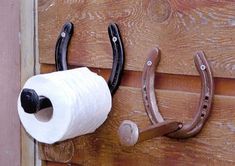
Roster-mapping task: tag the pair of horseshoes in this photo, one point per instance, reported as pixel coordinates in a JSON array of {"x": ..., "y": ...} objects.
[{"x": 32, "y": 102}]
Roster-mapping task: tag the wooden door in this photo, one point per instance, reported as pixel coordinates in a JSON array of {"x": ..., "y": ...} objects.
[{"x": 179, "y": 28}]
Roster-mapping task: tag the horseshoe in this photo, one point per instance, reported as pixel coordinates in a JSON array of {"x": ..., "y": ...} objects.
[
  {"x": 129, "y": 133},
  {"x": 30, "y": 101},
  {"x": 33, "y": 103},
  {"x": 118, "y": 58},
  {"x": 204, "y": 107}
]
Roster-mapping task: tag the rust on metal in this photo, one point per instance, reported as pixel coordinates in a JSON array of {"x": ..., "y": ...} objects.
[
  {"x": 130, "y": 134},
  {"x": 207, "y": 92}
]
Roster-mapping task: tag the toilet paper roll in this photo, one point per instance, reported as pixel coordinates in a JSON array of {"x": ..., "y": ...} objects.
[{"x": 81, "y": 101}]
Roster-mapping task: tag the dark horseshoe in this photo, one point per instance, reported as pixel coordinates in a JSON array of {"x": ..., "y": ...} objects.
[
  {"x": 30, "y": 100},
  {"x": 33, "y": 103},
  {"x": 61, "y": 48},
  {"x": 180, "y": 130},
  {"x": 118, "y": 58}
]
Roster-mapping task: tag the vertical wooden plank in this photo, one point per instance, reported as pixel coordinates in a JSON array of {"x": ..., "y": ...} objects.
[
  {"x": 9, "y": 83},
  {"x": 29, "y": 67},
  {"x": 37, "y": 67},
  {"x": 27, "y": 70}
]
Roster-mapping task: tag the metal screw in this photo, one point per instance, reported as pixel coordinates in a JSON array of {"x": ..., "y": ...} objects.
[
  {"x": 114, "y": 39},
  {"x": 180, "y": 126},
  {"x": 63, "y": 34},
  {"x": 149, "y": 63},
  {"x": 203, "y": 67}
]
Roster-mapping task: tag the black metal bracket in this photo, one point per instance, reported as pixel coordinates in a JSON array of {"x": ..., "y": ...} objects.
[
  {"x": 32, "y": 103},
  {"x": 61, "y": 48},
  {"x": 118, "y": 58}
]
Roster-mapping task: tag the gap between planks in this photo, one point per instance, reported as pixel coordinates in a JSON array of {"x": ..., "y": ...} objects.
[{"x": 185, "y": 83}]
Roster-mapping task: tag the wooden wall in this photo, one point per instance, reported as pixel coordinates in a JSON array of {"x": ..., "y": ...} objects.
[
  {"x": 9, "y": 83},
  {"x": 179, "y": 28}
]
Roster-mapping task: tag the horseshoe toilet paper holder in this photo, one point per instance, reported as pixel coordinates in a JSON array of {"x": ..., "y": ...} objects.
[
  {"x": 33, "y": 103},
  {"x": 129, "y": 133}
]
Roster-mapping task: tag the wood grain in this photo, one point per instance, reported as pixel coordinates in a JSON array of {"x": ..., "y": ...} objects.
[
  {"x": 213, "y": 146},
  {"x": 9, "y": 83},
  {"x": 223, "y": 86},
  {"x": 178, "y": 27}
]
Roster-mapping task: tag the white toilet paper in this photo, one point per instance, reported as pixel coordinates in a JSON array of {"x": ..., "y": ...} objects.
[{"x": 81, "y": 102}]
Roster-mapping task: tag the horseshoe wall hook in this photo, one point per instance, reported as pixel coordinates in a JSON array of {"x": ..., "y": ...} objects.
[
  {"x": 118, "y": 58},
  {"x": 61, "y": 48},
  {"x": 30, "y": 100},
  {"x": 204, "y": 107},
  {"x": 128, "y": 131},
  {"x": 33, "y": 103}
]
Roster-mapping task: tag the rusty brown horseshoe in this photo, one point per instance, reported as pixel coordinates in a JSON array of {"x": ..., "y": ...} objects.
[
  {"x": 207, "y": 92},
  {"x": 204, "y": 107},
  {"x": 128, "y": 131}
]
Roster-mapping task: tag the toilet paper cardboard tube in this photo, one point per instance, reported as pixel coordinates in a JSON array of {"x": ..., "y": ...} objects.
[{"x": 61, "y": 50}]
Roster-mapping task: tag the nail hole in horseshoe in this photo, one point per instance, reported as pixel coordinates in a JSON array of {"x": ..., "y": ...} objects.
[
  {"x": 146, "y": 97},
  {"x": 206, "y": 97},
  {"x": 205, "y": 106},
  {"x": 203, "y": 114}
]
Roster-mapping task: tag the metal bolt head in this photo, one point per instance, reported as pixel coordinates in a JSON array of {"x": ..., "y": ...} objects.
[
  {"x": 203, "y": 67},
  {"x": 114, "y": 39},
  {"x": 149, "y": 63},
  {"x": 128, "y": 133},
  {"x": 63, "y": 34},
  {"x": 180, "y": 126}
]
